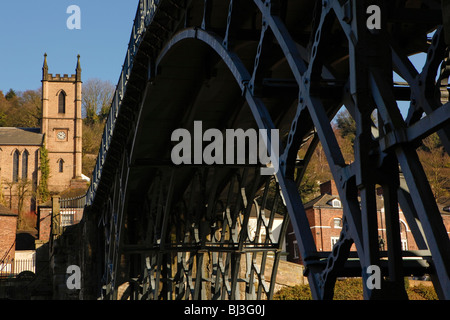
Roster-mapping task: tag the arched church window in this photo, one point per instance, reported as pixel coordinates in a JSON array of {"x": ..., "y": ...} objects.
[
  {"x": 15, "y": 173},
  {"x": 61, "y": 165},
  {"x": 25, "y": 164},
  {"x": 62, "y": 102}
]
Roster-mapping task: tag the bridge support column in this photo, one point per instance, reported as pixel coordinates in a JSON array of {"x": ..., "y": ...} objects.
[{"x": 89, "y": 260}]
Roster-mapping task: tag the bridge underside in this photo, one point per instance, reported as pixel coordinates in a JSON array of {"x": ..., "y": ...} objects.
[{"x": 199, "y": 231}]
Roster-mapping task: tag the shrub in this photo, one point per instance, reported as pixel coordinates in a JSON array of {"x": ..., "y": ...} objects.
[
  {"x": 352, "y": 289},
  {"x": 298, "y": 292},
  {"x": 348, "y": 289},
  {"x": 423, "y": 292}
]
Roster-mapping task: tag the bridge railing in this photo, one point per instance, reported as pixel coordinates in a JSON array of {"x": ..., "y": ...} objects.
[{"x": 144, "y": 16}]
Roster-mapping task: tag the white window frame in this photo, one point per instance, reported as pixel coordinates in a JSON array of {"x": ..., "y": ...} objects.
[
  {"x": 404, "y": 244},
  {"x": 339, "y": 226},
  {"x": 336, "y": 203},
  {"x": 67, "y": 217},
  {"x": 334, "y": 240},
  {"x": 295, "y": 248}
]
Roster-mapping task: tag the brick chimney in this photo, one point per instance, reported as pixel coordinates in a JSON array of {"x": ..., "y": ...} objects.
[{"x": 329, "y": 187}]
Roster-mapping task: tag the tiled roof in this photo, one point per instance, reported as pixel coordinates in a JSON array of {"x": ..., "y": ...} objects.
[
  {"x": 20, "y": 136},
  {"x": 321, "y": 201},
  {"x": 324, "y": 200}
]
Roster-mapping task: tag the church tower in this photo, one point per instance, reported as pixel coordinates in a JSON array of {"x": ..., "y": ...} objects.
[{"x": 62, "y": 126}]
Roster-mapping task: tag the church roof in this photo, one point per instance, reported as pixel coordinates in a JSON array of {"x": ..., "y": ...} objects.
[{"x": 21, "y": 136}]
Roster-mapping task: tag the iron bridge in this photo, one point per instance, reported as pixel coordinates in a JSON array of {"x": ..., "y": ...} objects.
[{"x": 182, "y": 231}]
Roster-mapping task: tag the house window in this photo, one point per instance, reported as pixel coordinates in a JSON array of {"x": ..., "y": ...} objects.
[
  {"x": 25, "y": 165},
  {"x": 295, "y": 248},
  {"x": 67, "y": 217},
  {"x": 334, "y": 240},
  {"x": 404, "y": 244},
  {"x": 62, "y": 102},
  {"x": 61, "y": 165},
  {"x": 15, "y": 176},
  {"x": 403, "y": 235},
  {"x": 336, "y": 203},
  {"x": 337, "y": 222}
]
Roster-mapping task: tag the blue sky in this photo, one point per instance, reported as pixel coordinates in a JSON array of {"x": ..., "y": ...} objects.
[{"x": 29, "y": 28}]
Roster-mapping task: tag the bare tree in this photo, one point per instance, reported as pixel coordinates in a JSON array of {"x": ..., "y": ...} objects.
[
  {"x": 436, "y": 163},
  {"x": 20, "y": 191},
  {"x": 96, "y": 101}
]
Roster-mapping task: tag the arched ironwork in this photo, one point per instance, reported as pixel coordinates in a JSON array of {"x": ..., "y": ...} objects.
[{"x": 182, "y": 232}]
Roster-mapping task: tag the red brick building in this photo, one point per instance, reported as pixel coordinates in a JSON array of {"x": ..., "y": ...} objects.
[
  {"x": 8, "y": 223},
  {"x": 325, "y": 218}
]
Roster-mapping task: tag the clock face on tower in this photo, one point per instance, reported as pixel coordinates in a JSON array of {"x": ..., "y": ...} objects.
[{"x": 61, "y": 135}]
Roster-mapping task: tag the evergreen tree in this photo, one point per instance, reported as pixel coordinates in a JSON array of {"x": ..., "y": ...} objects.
[{"x": 11, "y": 94}]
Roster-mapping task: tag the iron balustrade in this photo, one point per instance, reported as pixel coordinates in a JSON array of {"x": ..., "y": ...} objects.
[{"x": 144, "y": 15}]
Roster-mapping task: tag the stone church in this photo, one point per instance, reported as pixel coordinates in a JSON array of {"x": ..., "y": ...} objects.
[{"x": 60, "y": 134}]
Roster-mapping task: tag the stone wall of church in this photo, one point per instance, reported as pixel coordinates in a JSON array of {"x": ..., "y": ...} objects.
[
  {"x": 9, "y": 189},
  {"x": 60, "y": 149},
  {"x": 60, "y": 180}
]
